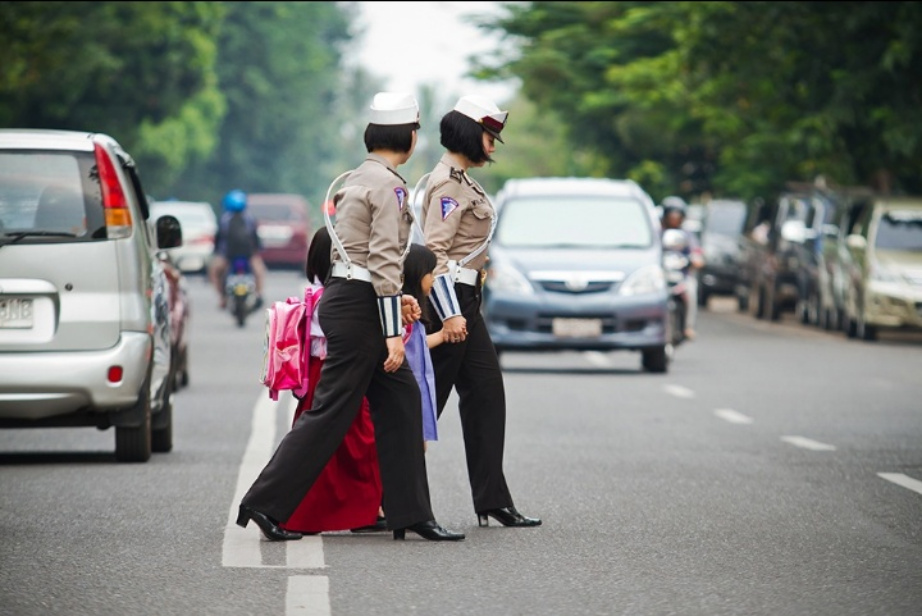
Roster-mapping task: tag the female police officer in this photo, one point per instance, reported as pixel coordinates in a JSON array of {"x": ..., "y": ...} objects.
[
  {"x": 458, "y": 221},
  {"x": 361, "y": 299}
]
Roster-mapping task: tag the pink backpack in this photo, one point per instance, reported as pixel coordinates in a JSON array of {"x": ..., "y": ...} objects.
[{"x": 287, "y": 346}]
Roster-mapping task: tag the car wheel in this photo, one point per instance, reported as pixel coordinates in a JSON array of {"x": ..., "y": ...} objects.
[
  {"x": 851, "y": 327},
  {"x": 133, "y": 444},
  {"x": 655, "y": 359},
  {"x": 865, "y": 331},
  {"x": 742, "y": 302},
  {"x": 162, "y": 423}
]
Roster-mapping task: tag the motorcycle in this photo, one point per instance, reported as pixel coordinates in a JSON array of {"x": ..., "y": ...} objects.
[
  {"x": 240, "y": 290},
  {"x": 675, "y": 266}
]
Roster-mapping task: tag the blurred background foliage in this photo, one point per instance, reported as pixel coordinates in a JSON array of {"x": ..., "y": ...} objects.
[{"x": 691, "y": 98}]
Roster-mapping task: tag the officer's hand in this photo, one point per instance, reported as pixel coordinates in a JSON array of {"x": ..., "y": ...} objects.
[
  {"x": 395, "y": 354},
  {"x": 410, "y": 310},
  {"x": 454, "y": 329}
]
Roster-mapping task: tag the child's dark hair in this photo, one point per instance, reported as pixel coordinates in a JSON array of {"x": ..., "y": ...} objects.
[
  {"x": 419, "y": 262},
  {"x": 318, "y": 263},
  {"x": 463, "y": 135}
]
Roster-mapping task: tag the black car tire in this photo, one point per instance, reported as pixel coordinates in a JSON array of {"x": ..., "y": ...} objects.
[
  {"x": 133, "y": 444},
  {"x": 161, "y": 435},
  {"x": 655, "y": 359}
]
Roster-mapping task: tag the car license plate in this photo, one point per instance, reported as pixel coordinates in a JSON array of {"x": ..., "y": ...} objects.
[
  {"x": 577, "y": 328},
  {"x": 15, "y": 313}
]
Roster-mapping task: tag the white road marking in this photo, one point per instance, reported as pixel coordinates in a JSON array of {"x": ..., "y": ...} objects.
[
  {"x": 807, "y": 443},
  {"x": 678, "y": 391},
  {"x": 307, "y": 595},
  {"x": 242, "y": 545},
  {"x": 903, "y": 480},
  {"x": 599, "y": 359},
  {"x": 733, "y": 416}
]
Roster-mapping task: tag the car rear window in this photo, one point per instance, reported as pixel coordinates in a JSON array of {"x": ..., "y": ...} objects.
[
  {"x": 49, "y": 196},
  {"x": 273, "y": 212},
  {"x": 574, "y": 222},
  {"x": 900, "y": 230},
  {"x": 726, "y": 219}
]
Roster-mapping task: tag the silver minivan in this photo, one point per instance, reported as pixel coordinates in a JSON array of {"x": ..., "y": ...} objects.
[{"x": 84, "y": 314}]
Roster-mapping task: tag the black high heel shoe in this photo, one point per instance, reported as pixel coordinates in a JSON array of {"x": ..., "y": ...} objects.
[
  {"x": 430, "y": 530},
  {"x": 270, "y": 528},
  {"x": 507, "y": 516},
  {"x": 380, "y": 525}
]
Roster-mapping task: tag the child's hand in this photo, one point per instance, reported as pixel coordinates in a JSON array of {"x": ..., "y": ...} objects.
[{"x": 410, "y": 311}]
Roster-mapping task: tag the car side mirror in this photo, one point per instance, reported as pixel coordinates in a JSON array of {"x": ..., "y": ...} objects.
[
  {"x": 169, "y": 232},
  {"x": 794, "y": 231},
  {"x": 856, "y": 242}
]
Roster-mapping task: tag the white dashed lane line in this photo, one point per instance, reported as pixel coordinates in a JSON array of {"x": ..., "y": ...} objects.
[
  {"x": 807, "y": 443},
  {"x": 903, "y": 480},
  {"x": 678, "y": 391},
  {"x": 733, "y": 416}
]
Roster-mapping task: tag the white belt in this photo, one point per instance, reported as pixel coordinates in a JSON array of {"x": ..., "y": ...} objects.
[
  {"x": 350, "y": 271},
  {"x": 463, "y": 275}
]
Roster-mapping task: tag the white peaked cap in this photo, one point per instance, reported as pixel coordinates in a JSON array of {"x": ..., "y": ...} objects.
[
  {"x": 483, "y": 111},
  {"x": 394, "y": 108}
]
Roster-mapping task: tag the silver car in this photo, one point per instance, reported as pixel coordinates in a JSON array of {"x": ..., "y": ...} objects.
[
  {"x": 84, "y": 312},
  {"x": 576, "y": 263}
]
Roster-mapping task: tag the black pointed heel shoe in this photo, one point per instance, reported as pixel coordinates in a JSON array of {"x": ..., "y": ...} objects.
[
  {"x": 507, "y": 516},
  {"x": 270, "y": 528},
  {"x": 429, "y": 530},
  {"x": 379, "y": 526}
]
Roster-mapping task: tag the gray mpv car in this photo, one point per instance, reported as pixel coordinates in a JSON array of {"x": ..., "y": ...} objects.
[
  {"x": 84, "y": 315},
  {"x": 576, "y": 264}
]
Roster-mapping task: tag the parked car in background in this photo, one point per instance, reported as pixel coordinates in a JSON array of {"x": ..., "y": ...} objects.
[
  {"x": 884, "y": 275},
  {"x": 180, "y": 307},
  {"x": 199, "y": 225},
  {"x": 720, "y": 229},
  {"x": 84, "y": 306},
  {"x": 770, "y": 256},
  {"x": 284, "y": 228},
  {"x": 576, "y": 263}
]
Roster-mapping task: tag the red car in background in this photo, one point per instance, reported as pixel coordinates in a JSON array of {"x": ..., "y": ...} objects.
[{"x": 284, "y": 228}]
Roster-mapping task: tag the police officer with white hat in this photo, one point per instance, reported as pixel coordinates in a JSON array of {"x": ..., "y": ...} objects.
[
  {"x": 458, "y": 223},
  {"x": 360, "y": 313}
]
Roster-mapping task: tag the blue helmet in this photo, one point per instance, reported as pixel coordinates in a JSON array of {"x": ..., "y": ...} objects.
[{"x": 234, "y": 201}]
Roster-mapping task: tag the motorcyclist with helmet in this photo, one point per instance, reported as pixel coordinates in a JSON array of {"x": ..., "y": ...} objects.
[
  {"x": 674, "y": 210},
  {"x": 236, "y": 237}
]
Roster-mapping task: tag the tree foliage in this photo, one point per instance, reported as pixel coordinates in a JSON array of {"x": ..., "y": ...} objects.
[{"x": 727, "y": 97}]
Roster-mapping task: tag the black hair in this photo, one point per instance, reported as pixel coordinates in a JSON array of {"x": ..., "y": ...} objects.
[
  {"x": 318, "y": 262},
  {"x": 394, "y": 137},
  {"x": 462, "y": 135},
  {"x": 419, "y": 262}
]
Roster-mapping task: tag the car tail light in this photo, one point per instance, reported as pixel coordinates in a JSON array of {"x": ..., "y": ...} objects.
[
  {"x": 115, "y": 374},
  {"x": 114, "y": 202}
]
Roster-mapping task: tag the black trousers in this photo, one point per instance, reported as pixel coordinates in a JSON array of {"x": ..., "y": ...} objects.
[
  {"x": 356, "y": 351},
  {"x": 472, "y": 367}
]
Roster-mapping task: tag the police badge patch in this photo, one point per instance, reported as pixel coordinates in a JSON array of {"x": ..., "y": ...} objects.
[
  {"x": 401, "y": 193},
  {"x": 449, "y": 205}
]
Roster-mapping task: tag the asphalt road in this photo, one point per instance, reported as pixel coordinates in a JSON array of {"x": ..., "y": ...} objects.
[{"x": 774, "y": 470}]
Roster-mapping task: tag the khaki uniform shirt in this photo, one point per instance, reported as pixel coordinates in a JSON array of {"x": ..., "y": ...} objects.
[
  {"x": 373, "y": 220},
  {"x": 457, "y": 216}
]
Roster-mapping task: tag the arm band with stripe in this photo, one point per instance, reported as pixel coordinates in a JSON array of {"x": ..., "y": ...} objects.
[
  {"x": 389, "y": 310},
  {"x": 443, "y": 297}
]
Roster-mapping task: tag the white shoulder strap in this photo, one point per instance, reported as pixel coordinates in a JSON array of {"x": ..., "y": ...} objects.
[
  {"x": 416, "y": 222},
  {"x": 329, "y": 223}
]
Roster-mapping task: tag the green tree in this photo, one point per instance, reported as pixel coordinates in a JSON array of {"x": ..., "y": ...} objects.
[
  {"x": 142, "y": 72},
  {"x": 729, "y": 97},
  {"x": 278, "y": 68}
]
